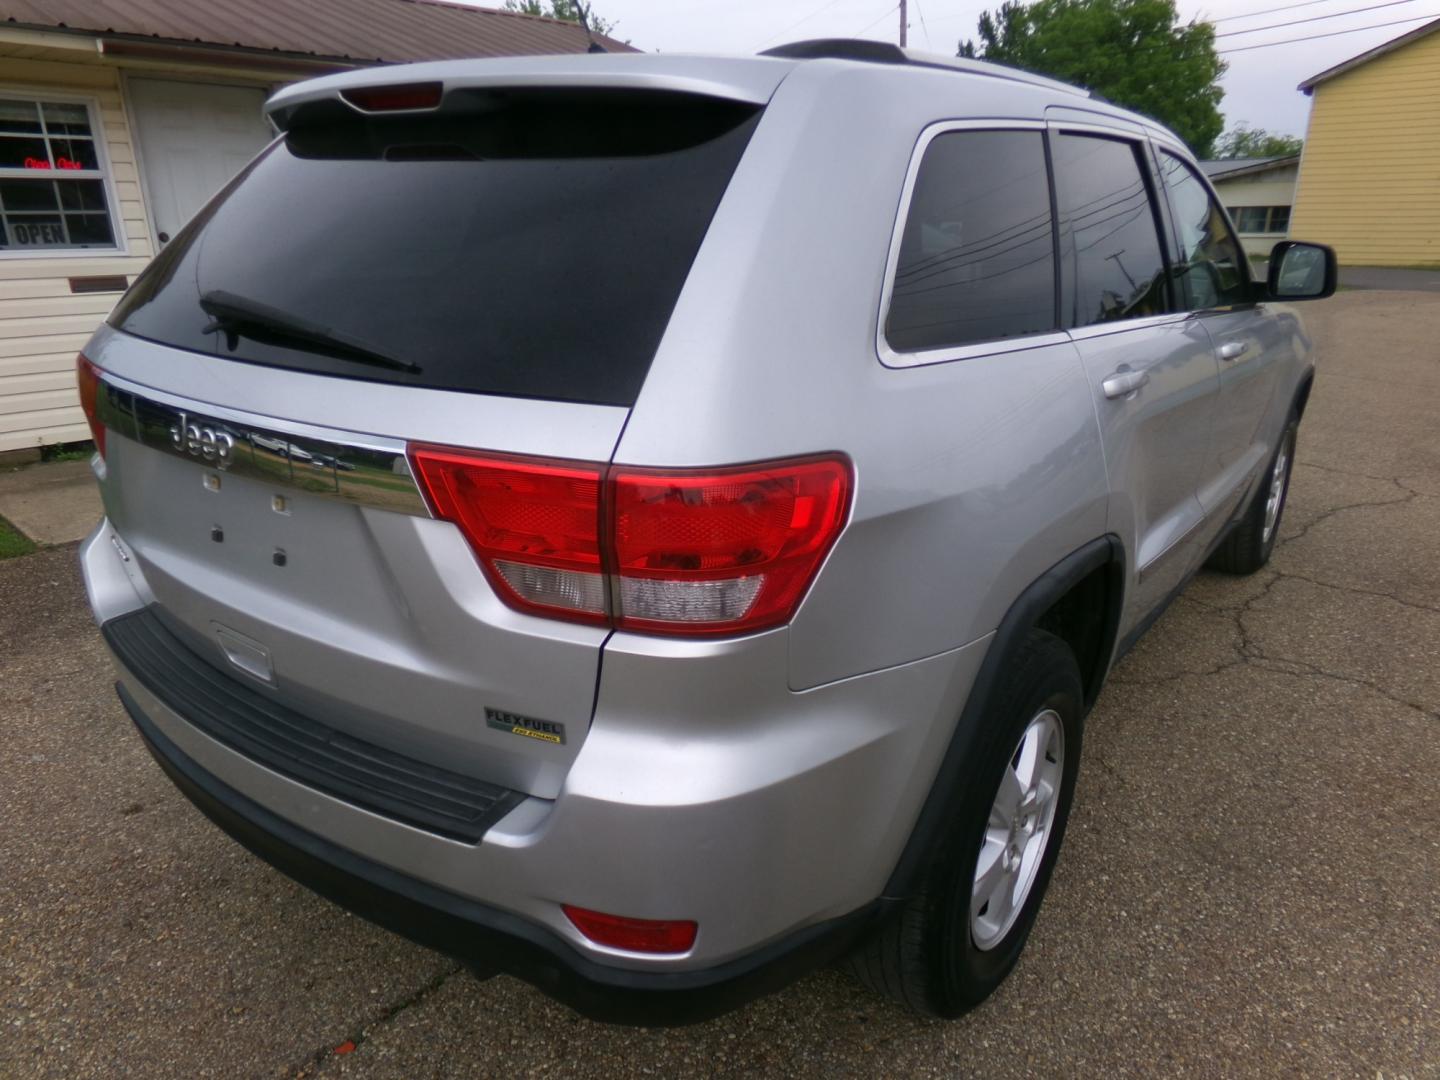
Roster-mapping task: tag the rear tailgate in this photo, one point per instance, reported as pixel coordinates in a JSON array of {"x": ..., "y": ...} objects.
[
  {"x": 306, "y": 564},
  {"x": 496, "y": 275}
]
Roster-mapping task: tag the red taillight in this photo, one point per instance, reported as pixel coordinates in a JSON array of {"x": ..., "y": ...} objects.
[
  {"x": 87, "y": 376},
  {"x": 406, "y": 97},
  {"x": 534, "y": 524},
  {"x": 722, "y": 550},
  {"x": 634, "y": 935},
  {"x": 680, "y": 551}
]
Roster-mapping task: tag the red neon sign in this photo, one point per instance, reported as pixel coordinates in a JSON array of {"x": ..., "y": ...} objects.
[{"x": 60, "y": 163}]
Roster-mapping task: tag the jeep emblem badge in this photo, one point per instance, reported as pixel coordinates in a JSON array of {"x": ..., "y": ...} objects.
[{"x": 205, "y": 443}]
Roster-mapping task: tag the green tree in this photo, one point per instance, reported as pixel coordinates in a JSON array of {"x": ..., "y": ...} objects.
[
  {"x": 568, "y": 10},
  {"x": 1243, "y": 141},
  {"x": 1136, "y": 53}
]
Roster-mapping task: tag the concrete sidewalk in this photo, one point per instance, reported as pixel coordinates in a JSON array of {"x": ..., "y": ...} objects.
[{"x": 53, "y": 503}]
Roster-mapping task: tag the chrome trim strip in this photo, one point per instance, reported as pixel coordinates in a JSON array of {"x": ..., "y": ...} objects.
[
  {"x": 1121, "y": 326},
  {"x": 894, "y": 359},
  {"x": 364, "y": 470},
  {"x": 1118, "y": 128}
]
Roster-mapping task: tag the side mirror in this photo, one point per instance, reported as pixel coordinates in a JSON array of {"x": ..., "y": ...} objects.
[{"x": 1300, "y": 271}]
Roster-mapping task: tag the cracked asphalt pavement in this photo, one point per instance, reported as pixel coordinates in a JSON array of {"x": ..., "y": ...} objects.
[{"x": 1250, "y": 883}]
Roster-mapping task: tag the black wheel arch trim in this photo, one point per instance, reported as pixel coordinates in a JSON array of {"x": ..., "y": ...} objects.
[
  {"x": 487, "y": 938},
  {"x": 1302, "y": 393},
  {"x": 1105, "y": 552}
]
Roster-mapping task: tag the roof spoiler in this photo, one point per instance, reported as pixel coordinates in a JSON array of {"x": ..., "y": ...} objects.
[{"x": 747, "y": 80}]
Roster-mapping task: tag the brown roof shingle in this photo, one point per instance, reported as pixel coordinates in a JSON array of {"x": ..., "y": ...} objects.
[{"x": 360, "y": 31}]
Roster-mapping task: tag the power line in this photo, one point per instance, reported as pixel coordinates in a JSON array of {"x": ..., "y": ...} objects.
[
  {"x": 925, "y": 29},
  {"x": 1332, "y": 33},
  {"x": 1315, "y": 18},
  {"x": 1266, "y": 11},
  {"x": 1146, "y": 44},
  {"x": 822, "y": 8},
  {"x": 871, "y": 26}
]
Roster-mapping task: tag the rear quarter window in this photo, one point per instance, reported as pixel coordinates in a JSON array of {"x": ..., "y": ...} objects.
[
  {"x": 977, "y": 250},
  {"x": 532, "y": 244}
]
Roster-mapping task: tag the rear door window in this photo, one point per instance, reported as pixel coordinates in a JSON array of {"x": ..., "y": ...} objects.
[
  {"x": 977, "y": 254},
  {"x": 531, "y": 244},
  {"x": 1112, "y": 241}
]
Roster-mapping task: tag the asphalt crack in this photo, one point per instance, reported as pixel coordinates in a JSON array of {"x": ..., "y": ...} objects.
[
  {"x": 1249, "y": 652},
  {"x": 355, "y": 1040},
  {"x": 1410, "y": 494},
  {"x": 1376, "y": 593}
]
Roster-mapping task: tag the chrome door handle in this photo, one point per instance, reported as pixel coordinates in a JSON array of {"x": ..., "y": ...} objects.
[
  {"x": 1233, "y": 350},
  {"x": 1124, "y": 383}
]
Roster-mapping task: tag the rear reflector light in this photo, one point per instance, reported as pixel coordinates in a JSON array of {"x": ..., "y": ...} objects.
[
  {"x": 406, "y": 97},
  {"x": 87, "y": 377},
  {"x": 675, "y": 551},
  {"x": 634, "y": 935}
]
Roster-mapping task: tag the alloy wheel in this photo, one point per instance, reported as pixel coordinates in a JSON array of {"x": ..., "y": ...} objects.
[{"x": 1018, "y": 830}]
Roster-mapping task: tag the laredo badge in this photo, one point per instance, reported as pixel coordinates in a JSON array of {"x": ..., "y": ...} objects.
[{"x": 515, "y": 724}]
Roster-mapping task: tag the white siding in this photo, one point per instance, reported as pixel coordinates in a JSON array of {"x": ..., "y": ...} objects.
[
  {"x": 1274, "y": 187},
  {"x": 42, "y": 324}
]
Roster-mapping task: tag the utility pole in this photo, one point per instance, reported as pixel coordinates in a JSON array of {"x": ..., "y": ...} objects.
[{"x": 902, "y": 24}]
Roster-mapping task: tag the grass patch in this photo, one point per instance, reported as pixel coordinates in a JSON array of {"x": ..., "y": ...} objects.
[
  {"x": 13, "y": 542},
  {"x": 70, "y": 451}
]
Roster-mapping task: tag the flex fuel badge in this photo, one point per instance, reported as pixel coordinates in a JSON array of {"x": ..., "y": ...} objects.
[{"x": 515, "y": 724}]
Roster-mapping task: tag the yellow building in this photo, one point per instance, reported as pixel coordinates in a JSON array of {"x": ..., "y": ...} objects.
[
  {"x": 1370, "y": 172},
  {"x": 119, "y": 120}
]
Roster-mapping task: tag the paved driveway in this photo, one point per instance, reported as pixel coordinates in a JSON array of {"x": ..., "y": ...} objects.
[
  {"x": 1251, "y": 882},
  {"x": 1387, "y": 277}
]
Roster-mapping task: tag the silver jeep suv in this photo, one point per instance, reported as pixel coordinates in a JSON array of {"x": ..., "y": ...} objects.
[{"x": 654, "y": 525}]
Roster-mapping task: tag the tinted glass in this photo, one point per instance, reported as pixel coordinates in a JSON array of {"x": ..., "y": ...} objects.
[
  {"x": 977, "y": 257},
  {"x": 1211, "y": 266},
  {"x": 1250, "y": 219},
  {"x": 23, "y": 142},
  {"x": 1113, "y": 247},
  {"x": 66, "y": 119},
  {"x": 21, "y": 116},
  {"x": 24, "y": 153},
  {"x": 74, "y": 153},
  {"x": 19, "y": 195},
  {"x": 28, "y": 217},
  {"x": 534, "y": 246}
]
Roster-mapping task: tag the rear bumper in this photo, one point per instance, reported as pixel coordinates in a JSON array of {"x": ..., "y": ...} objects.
[
  {"x": 490, "y": 939},
  {"x": 705, "y": 789}
]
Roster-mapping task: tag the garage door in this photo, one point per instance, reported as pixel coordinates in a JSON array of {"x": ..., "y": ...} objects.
[{"x": 193, "y": 138}]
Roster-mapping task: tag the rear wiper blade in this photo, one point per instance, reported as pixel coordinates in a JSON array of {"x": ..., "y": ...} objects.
[{"x": 250, "y": 318}]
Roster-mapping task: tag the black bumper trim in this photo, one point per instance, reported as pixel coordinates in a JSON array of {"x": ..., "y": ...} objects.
[
  {"x": 280, "y": 738},
  {"x": 493, "y": 940}
]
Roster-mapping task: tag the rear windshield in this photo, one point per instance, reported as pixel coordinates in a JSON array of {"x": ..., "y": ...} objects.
[{"x": 532, "y": 245}]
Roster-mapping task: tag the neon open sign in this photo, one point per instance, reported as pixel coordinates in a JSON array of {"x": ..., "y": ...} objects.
[{"x": 60, "y": 163}]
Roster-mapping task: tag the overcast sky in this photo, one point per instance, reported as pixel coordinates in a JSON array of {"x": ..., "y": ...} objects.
[{"x": 1259, "y": 87}]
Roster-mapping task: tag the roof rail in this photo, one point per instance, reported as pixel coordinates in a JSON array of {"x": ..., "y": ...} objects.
[
  {"x": 883, "y": 52},
  {"x": 877, "y": 52}
]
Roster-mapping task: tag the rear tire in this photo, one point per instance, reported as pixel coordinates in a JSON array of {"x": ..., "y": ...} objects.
[
  {"x": 951, "y": 945},
  {"x": 1252, "y": 540}
]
